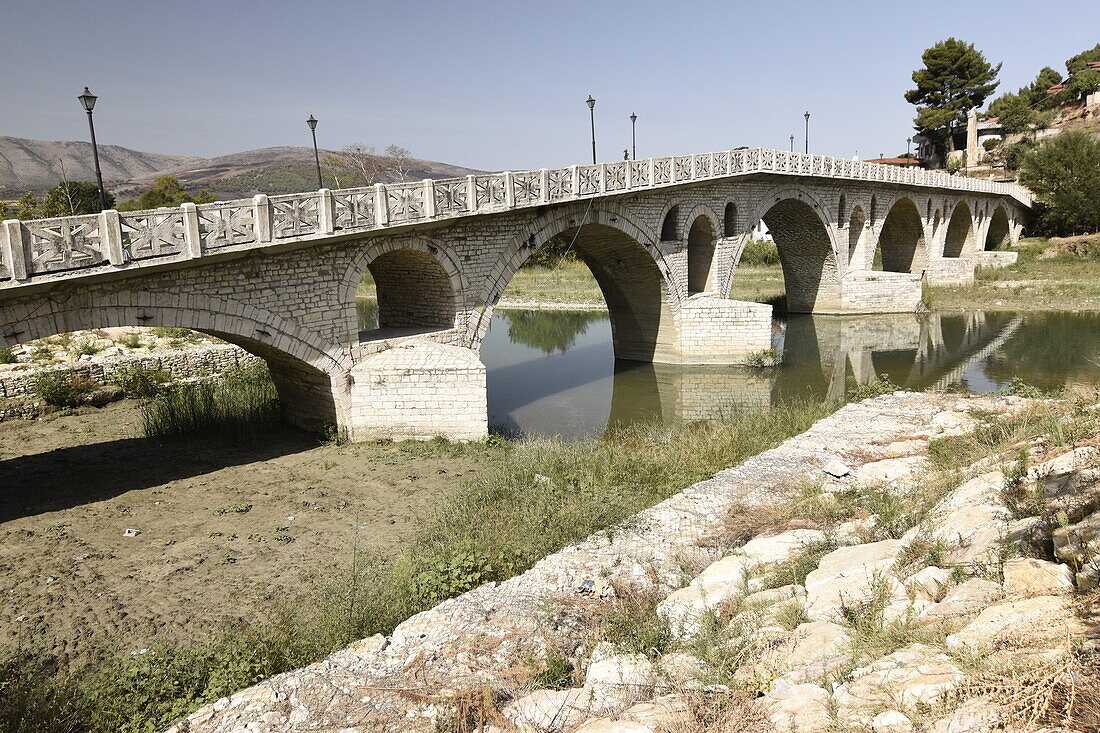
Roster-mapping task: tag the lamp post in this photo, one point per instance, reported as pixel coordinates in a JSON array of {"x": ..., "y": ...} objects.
[
  {"x": 633, "y": 134},
  {"x": 807, "y": 116},
  {"x": 312, "y": 122},
  {"x": 908, "y": 148},
  {"x": 792, "y": 143},
  {"x": 87, "y": 101},
  {"x": 592, "y": 116}
]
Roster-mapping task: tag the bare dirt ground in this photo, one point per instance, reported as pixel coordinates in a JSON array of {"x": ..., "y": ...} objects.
[{"x": 222, "y": 528}]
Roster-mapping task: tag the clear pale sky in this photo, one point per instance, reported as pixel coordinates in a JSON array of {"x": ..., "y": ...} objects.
[{"x": 501, "y": 85}]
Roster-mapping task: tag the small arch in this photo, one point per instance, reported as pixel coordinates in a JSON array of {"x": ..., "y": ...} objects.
[
  {"x": 998, "y": 235},
  {"x": 700, "y": 254},
  {"x": 960, "y": 232},
  {"x": 413, "y": 290},
  {"x": 670, "y": 226},
  {"x": 729, "y": 221},
  {"x": 842, "y": 208},
  {"x": 901, "y": 241},
  {"x": 855, "y": 230}
]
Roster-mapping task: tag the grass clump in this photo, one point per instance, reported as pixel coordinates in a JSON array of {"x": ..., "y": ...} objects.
[
  {"x": 7, "y": 356},
  {"x": 631, "y": 624},
  {"x": 242, "y": 405},
  {"x": 61, "y": 388},
  {"x": 764, "y": 359},
  {"x": 138, "y": 380},
  {"x": 875, "y": 388}
]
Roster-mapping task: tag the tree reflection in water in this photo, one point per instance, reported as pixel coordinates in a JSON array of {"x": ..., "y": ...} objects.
[{"x": 549, "y": 331}]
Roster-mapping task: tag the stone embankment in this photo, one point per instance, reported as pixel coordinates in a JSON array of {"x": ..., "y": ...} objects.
[{"x": 928, "y": 608}]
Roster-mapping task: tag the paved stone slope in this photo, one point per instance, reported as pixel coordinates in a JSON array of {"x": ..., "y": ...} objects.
[{"x": 480, "y": 635}]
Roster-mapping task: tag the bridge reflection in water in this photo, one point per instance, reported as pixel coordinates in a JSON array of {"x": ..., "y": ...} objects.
[{"x": 555, "y": 372}]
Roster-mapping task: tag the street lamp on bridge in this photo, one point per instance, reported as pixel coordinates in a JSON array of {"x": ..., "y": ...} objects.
[
  {"x": 633, "y": 134},
  {"x": 807, "y": 116},
  {"x": 792, "y": 143},
  {"x": 312, "y": 122},
  {"x": 592, "y": 115},
  {"x": 908, "y": 148},
  {"x": 87, "y": 101}
]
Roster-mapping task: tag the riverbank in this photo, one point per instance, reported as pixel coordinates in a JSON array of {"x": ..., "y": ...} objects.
[
  {"x": 253, "y": 560},
  {"x": 878, "y": 539}
]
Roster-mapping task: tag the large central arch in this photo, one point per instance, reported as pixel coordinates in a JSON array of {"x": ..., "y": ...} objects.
[
  {"x": 901, "y": 240},
  {"x": 806, "y": 254},
  {"x": 623, "y": 259},
  {"x": 960, "y": 232}
]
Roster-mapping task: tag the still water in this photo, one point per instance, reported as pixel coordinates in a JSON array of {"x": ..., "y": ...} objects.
[{"x": 554, "y": 372}]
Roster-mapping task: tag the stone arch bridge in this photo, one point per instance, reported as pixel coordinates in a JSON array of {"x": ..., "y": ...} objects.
[{"x": 663, "y": 237}]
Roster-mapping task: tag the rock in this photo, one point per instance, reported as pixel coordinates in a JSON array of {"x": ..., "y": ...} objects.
[
  {"x": 1027, "y": 577},
  {"x": 798, "y": 708},
  {"x": 615, "y": 683},
  {"x": 668, "y": 711},
  {"x": 951, "y": 422},
  {"x": 604, "y": 725},
  {"x": 891, "y": 721},
  {"x": 915, "y": 675},
  {"x": 370, "y": 645},
  {"x": 965, "y": 599},
  {"x": 1029, "y": 534},
  {"x": 683, "y": 670},
  {"x": 845, "y": 576},
  {"x": 971, "y": 520},
  {"x": 1077, "y": 544},
  {"x": 929, "y": 584},
  {"x": 836, "y": 468},
  {"x": 1074, "y": 460},
  {"x": 104, "y": 395},
  {"x": 1030, "y": 620},
  {"x": 808, "y": 654},
  {"x": 720, "y": 584},
  {"x": 131, "y": 532},
  {"x": 977, "y": 715},
  {"x": 889, "y": 470},
  {"x": 771, "y": 596},
  {"x": 549, "y": 710},
  {"x": 778, "y": 548}
]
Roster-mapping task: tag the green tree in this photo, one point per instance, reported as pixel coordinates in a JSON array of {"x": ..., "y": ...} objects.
[
  {"x": 71, "y": 198},
  {"x": 1014, "y": 112},
  {"x": 1036, "y": 91},
  {"x": 1081, "y": 60},
  {"x": 955, "y": 79},
  {"x": 27, "y": 206},
  {"x": 1083, "y": 82},
  {"x": 166, "y": 191},
  {"x": 1064, "y": 174}
]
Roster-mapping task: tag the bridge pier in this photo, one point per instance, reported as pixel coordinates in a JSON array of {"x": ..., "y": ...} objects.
[
  {"x": 416, "y": 391},
  {"x": 714, "y": 330}
]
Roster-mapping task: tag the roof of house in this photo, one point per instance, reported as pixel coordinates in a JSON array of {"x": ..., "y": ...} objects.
[
  {"x": 1093, "y": 65},
  {"x": 895, "y": 161}
]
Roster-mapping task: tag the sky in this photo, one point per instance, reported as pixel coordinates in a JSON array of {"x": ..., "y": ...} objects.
[{"x": 502, "y": 85}]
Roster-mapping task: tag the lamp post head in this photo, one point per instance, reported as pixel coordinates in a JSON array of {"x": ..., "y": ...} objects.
[
  {"x": 633, "y": 117},
  {"x": 87, "y": 100},
  {"x": 807, "y": 116},
  {"x": 312, "y": 122},
  {"x": 590, "y": 102}
]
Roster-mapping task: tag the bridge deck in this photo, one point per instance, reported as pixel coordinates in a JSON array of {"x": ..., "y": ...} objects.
[{"x": 49, "y": 249}]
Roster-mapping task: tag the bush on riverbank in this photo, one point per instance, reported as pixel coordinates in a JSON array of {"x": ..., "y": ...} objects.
[
  {"x": 541, "y": 495},
  {"x": 760, "y": 253},
  {"x": 243, "y": 403}
]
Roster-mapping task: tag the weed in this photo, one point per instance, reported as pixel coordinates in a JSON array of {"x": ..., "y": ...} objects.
[
  {"x": 138, "y": 380},
  {"x": 243, "y": 406},
  {"x": 801, "y": 564},
  {"x": 85, "y": 347},
  {"x": 764, "y": 359},
  {"x": 631, "y": 624},
  {"x": 7, "y": 356},
  {"x": 876, "y": 387},
  {"x": 165, "y": 332},
  {"x": 282, "y": 534},
  {"x": 131, "y": 341},
  {"x": 552, "y": 672},
  {"x": 61, "y": 388},
  {"x": 239, "y": 507}
]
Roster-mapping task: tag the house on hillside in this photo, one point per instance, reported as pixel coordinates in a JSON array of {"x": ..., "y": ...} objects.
[
  {"x": 1091, "y": 99},
  {"x": 962, "y": 139}
]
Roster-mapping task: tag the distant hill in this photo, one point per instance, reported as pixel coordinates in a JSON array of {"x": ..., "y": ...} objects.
[
  {"x": 34, "y": 165},
  {"x": 40, "y": 164}
]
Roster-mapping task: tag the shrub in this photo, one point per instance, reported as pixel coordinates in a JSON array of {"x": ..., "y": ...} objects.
[
  {"x": 138, "y": 380},
  {"x": 1064, "y": 173},
  {"x": 242, "y": 406},
  {"x": 7, "y": 356},
  {"x": 85, "y": 347},
  {"x": 878, "y": 386},
  {"x": 167, "y": 332},
  {"x": 765, "y": 358},
  {"x": 54, "y": 387},
  {"x": 132, "y": 341},
  {"x": 760, "y": 253}
]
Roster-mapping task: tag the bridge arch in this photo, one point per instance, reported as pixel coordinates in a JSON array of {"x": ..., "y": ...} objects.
[
  {"x": 999, "y": 233},
  {"x": 959, "y": 237},
  {"x": 627, "y": 264},
  {"x": 702, "y": 239},
  {"x": 671, "y": 230},
  {"x": 418, "y": 282},
  {"x": 901, "y": 239},
  {"x": 799, "y": 224},
  {"x": 307, "y": 373},
  {"x": 857, "y": 223}
]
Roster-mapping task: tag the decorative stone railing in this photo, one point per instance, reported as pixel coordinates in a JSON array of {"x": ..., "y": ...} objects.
[{"x": 52, "y": 247}]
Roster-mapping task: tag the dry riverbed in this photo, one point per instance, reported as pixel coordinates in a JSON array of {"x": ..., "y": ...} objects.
[{"x": 222, "y": 529}]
